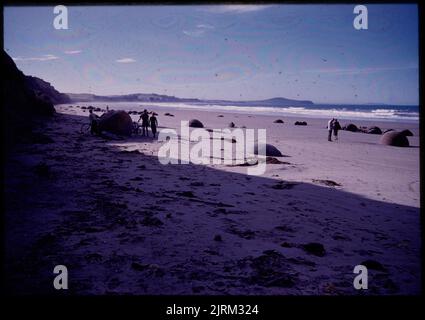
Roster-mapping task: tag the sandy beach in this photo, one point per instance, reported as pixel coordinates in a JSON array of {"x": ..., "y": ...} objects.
[{"x": 125, "y": 224}]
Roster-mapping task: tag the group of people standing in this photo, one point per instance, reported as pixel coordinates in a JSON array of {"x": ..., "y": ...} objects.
[
  {"x": 148, "y": 122},
  {"x": 333, "y": 126}
]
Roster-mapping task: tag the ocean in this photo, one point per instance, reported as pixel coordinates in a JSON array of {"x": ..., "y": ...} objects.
[{"x": 352, "y": 112}]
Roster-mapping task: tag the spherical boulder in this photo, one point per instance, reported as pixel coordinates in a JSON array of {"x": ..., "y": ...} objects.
[
  {"x": 394, "y": 138},
  {"x": 407, "y": 133},
  {"x": 194, "y": 123},
  {"x": 374, "y": 130},
  {"x": 117, "y": 122},
  {"x": 271, "y": 151},
  {"x": 351, "y": 127}
]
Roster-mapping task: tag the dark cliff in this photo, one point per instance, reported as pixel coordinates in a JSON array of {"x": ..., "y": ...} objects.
[
  {"x": 46, "y": 91},
  {"x": 25, "y": 100}
]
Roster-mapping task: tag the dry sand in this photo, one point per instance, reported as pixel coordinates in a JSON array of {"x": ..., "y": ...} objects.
[{"x": 125, "y": 224}]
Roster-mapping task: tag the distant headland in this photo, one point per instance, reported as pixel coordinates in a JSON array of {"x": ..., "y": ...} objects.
[{"x": 152, "y": 97}]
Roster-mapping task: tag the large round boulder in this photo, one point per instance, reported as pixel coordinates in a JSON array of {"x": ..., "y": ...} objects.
[
  {"x": 271, "y": 151},
  {"x": 394, "y": 138},
  {"x": 407, "y": 133},
  {"x": 117, "y": 122},
  {"x": 374, "y": 130},
  {"x": 351, "y": 127},
  {"x": 194, "y": 123}
]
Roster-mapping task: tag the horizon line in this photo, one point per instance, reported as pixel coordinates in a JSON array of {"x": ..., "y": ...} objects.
[{"x": 251, "y": 100}]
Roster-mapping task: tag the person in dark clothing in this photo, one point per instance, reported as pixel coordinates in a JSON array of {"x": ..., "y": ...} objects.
[
  {"x": 330, "y": 128},
  {"x": 154, "y": 123},
  {"x": 93, "y": 122},
  {"x": 145, "y": 122},
  {"x": 336, "y": 128}
]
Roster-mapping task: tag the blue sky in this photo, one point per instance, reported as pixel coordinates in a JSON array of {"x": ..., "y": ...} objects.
[{"x": 223, "y": 52}]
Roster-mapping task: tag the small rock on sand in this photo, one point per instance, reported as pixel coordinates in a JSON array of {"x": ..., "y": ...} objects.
[
  {"x": 374, "y": 130},
  {"x": 232, "y": 125},
  {"x": 187, "y": 194},
  {"x": 374, "y": 265},
  {"x": 218, "y": 238},
  {"x": 314, "y": 248},
  {"x": 197, "y": 184},
  {"x": 329, "y": 183},
  {"x": 194, "y": 123},
  {"x": 284, "y": 185},
  {"x": 272, "y": 160},
  {"x": 271, "y": 151},
  {"x": 271, "y": 270},
  {"x": 139, "y": 267},
  {"x": 278, "y": 121},
  {"x": 350, "y": 127},
  {"x": 300, "y": 123}
]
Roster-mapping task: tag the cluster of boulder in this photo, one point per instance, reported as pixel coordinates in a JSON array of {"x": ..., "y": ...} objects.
[
  {"x": 135, "y": 112},
  {"x": 91, "y": 108},
  {"x": 389, "y": 137}
]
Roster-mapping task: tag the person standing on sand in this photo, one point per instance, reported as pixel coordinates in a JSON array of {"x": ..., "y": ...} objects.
[
  {"x": 93, "y": 122},
  {"x": 145, "y": 122},
  {"x": 154, "y": 123},
  {"x": 336, "y": 128},
  {"x": 330, "y": 128}
]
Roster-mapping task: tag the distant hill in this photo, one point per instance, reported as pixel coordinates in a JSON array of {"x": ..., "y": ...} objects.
[
  {"x": 135, "y": 97},
  {"x": 152, "y": 97},
  {"x": 279, "y": 102}
]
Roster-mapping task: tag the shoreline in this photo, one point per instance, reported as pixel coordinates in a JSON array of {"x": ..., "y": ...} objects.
[{"x": 265, "y": 111}]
